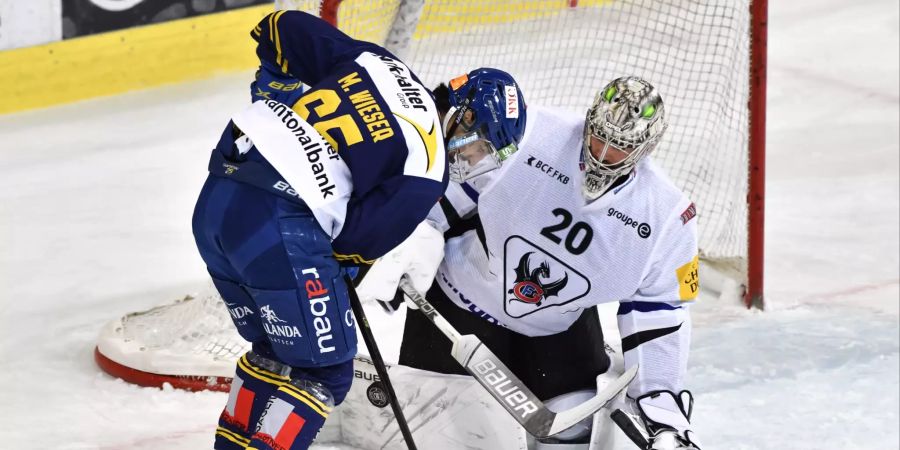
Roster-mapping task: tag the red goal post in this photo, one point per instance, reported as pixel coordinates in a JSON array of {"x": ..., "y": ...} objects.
[{"x": 707, "y": 57}]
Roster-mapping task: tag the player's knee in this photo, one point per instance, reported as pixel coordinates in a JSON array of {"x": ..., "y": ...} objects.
[{"x": 336, "y": 378}]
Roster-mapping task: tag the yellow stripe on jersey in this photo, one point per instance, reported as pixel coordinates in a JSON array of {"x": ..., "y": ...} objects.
[
  {"x": 233, "y": 437},
  {"x": 279, "y": 57},
  {"x": 354, "y": 257},
  {"x": 271, "y": 27},
  {"x": 429, "y": 139}
]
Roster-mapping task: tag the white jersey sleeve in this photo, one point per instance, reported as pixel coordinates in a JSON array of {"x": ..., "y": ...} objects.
[
  {"x": 655, "y": 322},
  {"x": 459, "y": 202}
]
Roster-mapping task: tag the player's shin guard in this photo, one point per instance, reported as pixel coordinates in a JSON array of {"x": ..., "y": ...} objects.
[
  {"x": 256, "y": 380},
  {"x": 293, "y": 416}
]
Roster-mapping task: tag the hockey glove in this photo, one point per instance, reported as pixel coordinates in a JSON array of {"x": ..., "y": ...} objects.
[
  {"x": 663, "y": 422},
  {"x": 272, "y": 84},
  {"x": 417, "y": 257}
]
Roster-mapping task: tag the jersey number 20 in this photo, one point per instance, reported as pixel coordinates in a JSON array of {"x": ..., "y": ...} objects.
[{"x": 577, "y": 238}]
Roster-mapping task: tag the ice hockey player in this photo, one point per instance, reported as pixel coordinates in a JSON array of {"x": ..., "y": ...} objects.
[
  {"x": 302, "y": 184},
  {"x": 532, "y": 247}
]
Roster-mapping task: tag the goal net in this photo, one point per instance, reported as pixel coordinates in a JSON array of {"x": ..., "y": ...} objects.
[{"x": 696, "y": 52}]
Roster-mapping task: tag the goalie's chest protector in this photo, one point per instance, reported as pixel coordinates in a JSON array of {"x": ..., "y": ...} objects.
[{"x": 551, "y": 254}]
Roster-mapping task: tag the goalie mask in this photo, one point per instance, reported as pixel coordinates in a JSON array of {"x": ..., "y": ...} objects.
[
  {"x": 485, "y": 122},
  {"x": 623, "y": 125}
]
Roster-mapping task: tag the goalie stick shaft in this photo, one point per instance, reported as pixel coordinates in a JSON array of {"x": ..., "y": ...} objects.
[
  {"x": 378, "y": 362},
  {"x": 630, "y": 428},
  {"x": 504, "y": 386}
]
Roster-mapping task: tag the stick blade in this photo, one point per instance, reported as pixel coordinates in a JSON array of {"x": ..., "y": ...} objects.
[{"x": 568, "y": 418}]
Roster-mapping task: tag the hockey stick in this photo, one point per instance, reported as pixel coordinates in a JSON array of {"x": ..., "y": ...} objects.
[
  {"x": 378, "y": 362},
  {"x": 504, "y": 386},
  {"x": 630, "y": 427}
]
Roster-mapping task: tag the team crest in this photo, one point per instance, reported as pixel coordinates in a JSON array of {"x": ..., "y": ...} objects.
[
  {"x": 529, "y": 287},
  {"x": 534, "y": 279}
]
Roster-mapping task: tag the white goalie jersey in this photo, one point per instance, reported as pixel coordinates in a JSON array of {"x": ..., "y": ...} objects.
[{"x": 526, "y": 251}]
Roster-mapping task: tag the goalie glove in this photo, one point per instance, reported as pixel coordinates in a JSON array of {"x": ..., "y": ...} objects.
[
  {"x": 662, "y": 423},
  {"x": 417, "y": 257}
]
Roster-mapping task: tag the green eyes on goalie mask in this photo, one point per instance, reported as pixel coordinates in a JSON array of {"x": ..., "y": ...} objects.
[{"x": 623, "y": 125}]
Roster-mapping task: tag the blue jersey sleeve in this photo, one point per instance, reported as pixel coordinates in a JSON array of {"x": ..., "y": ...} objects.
[
  {"x": 304, "y": 46},
  {"x": 385, "y": 217}
]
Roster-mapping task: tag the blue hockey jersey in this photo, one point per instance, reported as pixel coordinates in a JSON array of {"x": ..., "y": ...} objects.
[{"x": 363, "y": 147}]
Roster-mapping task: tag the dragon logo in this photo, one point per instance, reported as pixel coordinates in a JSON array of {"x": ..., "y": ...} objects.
[
  {"x": 529, "y": 287},
  {"x": 270, "y": 315}
]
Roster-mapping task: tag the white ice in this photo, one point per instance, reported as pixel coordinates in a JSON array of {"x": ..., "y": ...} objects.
[{"x": 96, "y": 198}]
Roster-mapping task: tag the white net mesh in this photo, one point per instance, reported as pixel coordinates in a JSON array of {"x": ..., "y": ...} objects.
[
  {"x": 191, "y": 336},
  {"x": 194, "y": 324},
  {"x": 696, "y": 52}
]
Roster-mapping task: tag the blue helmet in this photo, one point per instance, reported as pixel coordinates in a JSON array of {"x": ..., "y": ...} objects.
[{"x": 487, "y": 106}]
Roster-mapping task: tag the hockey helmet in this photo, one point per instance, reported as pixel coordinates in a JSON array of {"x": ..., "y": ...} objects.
[{"x": 485, "y": 122}]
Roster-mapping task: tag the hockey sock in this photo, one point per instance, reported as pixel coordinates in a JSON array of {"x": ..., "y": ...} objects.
[
  {"x": 256, "y": 380},
  {"x": 293, "y": 417}
]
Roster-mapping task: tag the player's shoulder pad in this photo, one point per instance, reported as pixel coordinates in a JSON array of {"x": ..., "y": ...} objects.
[{"x": 414, "y": 109}]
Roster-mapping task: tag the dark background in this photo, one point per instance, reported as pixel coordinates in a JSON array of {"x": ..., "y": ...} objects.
[{"x": 83, "y": 17}]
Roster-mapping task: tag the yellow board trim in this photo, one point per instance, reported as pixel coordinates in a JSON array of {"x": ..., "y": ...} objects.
[
  {"x": 435, "y": 17},
  {"x": 197, "y": 48},
  {"x": 112, "y": 63}
]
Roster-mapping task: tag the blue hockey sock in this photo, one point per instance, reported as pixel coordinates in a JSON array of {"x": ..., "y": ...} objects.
[
  {"x": 293, "y": 417},
  {"x": 256, "y": 380}
]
